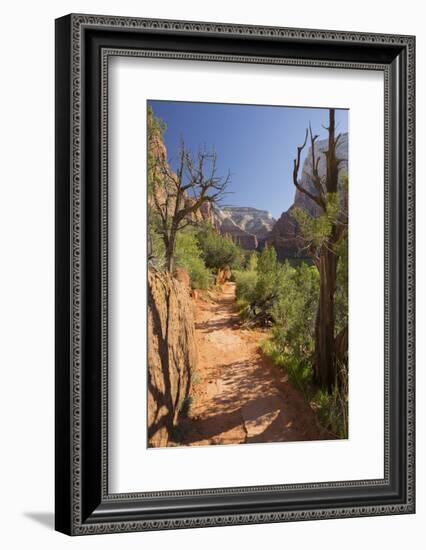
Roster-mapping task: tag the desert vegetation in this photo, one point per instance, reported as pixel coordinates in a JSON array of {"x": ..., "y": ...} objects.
[
  {"x": 307, "y": 306},
  {"x": 285, "y": 300},
  {"x": 179, "y": 234},
  {"x": 294, "y": 312}
]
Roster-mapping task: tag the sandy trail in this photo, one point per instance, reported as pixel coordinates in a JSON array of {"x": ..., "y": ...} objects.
[{"x": 239, "y": 396}]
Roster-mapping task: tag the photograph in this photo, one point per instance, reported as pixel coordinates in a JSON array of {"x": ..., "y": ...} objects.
[
  {"x": 234, "y": 273},
  {"x": 247, "y": 273}
]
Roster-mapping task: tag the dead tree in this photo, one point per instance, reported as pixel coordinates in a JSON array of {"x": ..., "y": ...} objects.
[
  {"x": 178, "y": 196},
  {"x": 324, "y": 251}
]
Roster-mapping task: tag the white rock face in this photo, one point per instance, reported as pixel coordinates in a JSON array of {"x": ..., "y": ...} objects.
[
  {"x": 300, "y": 199},
  {"x": 251, "y": 220}
]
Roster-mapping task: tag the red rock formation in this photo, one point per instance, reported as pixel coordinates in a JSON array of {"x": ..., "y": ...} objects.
[
  {"x": 209, "y": 215},
  {"x": 183, "y": 277},
  {"x": 205, "y": 213},
  {"x": 252, "y": 220},
  {"x": 223, "y": 275},
  {"x": 246, "y": 240},
  {"x": 285, "y": 237},
  {"x": 172, "y": 353}
]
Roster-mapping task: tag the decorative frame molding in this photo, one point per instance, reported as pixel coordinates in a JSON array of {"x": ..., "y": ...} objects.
[{"x": 84, "y": 44}]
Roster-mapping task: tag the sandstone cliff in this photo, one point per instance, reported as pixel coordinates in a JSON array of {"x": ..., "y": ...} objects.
[
  {"x": 254, "y": 221},
  {"x": 244, "y": 239},
  {"x": 172, "y": 353},
  {"x": 245, "y": 225}
]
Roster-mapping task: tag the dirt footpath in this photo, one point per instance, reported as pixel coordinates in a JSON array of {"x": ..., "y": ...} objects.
[{"x": 238, "y": 395}]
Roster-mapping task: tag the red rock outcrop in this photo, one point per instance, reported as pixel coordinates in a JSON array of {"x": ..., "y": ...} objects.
[
  {"x": 205, "y": 213},
  {"x": 172, "y": 353},
  {"x": 285, "y": 237},
  {"x": 246, "y": 226},
  {"x": 183, "y": 277},
  {"x": 246, "y": 240},
  {"x": 252, "y": 220},
  {"x": 223, "y": 275}
]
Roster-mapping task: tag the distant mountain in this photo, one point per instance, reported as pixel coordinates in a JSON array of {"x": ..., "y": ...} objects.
[
  {"x": 285, "y": 235},
  {"x": 245, "y": 225},
  {"x": 252, "y": 220}
]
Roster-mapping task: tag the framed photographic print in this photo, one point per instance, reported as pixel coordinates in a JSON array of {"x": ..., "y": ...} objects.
[{"x": 234, "y": 274}]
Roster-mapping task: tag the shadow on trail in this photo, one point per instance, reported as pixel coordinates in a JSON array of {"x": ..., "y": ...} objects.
[{"x": 241, "y": 396}]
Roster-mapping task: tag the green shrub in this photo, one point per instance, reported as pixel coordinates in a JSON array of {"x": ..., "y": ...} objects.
[
  {"x": 294, "y": 313},
  {"x": 218, "y": 251},
  {"x": 250, "y": 260},
  {"x": 245, "y": 284},
  {"x": 156, "y": 249},
  {"x": 285, "y": 297},
  {"x": 201, "y": 277},
  {"x": 188, "y": 257},
  {"x": 292, "y": 339},
  {"x": 341, "y": 304},
  {"x": 333, "y": 407},
  {"x": 262, "y": 285},
  {"x": 245, "y": 287}
]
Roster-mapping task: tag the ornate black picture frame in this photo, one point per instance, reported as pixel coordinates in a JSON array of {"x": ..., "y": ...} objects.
[{"x": 84, "y": 44}]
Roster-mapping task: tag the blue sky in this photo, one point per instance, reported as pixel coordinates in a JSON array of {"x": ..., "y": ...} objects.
[{"x": 256, "y": 144}]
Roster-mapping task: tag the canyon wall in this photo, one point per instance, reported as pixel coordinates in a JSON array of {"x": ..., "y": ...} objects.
[
  {"x": 172, "y": 353},
  {"x": 246, "y": 226}
]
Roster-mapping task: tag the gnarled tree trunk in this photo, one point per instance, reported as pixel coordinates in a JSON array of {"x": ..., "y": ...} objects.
[
  {"x": 324, "y": 197},
  {"x": 325, "y": 362}
]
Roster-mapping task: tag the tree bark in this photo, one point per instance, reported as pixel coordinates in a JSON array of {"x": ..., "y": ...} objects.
[
  {"x": 325, "y": 361},
  {"x": 325, "y": 357},
  {"x": 325, "y": 365}
]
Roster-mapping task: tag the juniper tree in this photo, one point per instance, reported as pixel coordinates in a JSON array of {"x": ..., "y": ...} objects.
[
  {"x": 177, "y": 197},
  {"x": 324, "y": 234}
]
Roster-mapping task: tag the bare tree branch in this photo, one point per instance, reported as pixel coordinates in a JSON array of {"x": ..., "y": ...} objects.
[
  {"x": 180, "y": 195},
  {"x": 316, "y": 180},
  {"x": 296, "y": 166}
]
